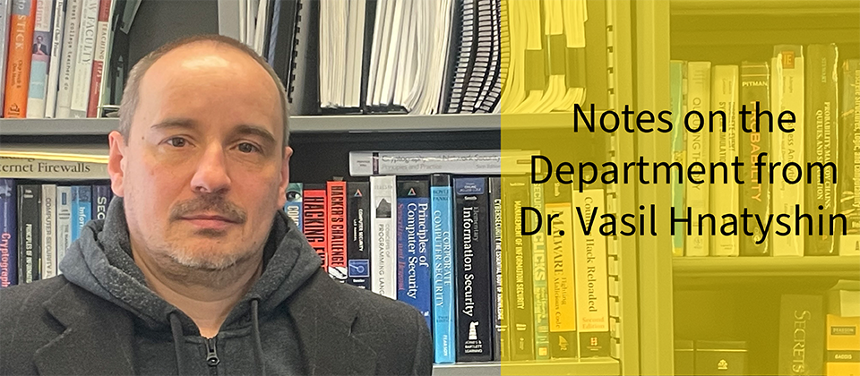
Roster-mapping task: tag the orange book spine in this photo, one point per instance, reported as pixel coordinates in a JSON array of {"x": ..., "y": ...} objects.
[
  {"x": 336, "y": 223},
  {"x": 22, "y": 23}
]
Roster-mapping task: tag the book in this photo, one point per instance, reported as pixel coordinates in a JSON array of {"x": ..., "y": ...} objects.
[
  {"x": 358, "y": 238},
  {"x": 82, "y": 208},
  {"x": 497, "y": 254},
  {"x": 42, "y": 43},
  {"x": 74, "y": 12},
  {"x": 49, "y": 228},
  {"x": 561, "y": 277},
  {"x": 698, "y": 152},
  {"x": 336, "y": 222},
  {"x": 849, "y": 167},
  {"x": 29, "y": 232},
  {"x": 293, "y": 207},
  {"x": 444, "y": 325},
  {"x": 725, "y": 194},
  {"x": 19, "y": 57},
  {"x": 414, "y": 258},
  {"x": 755, "y": 140},
  {"x": 677, "y": 82},
  {"x": 64, "y": 222},
  {"x": 8, "y": 233},
  {"x": 314, "y": 212},
  {"x": 540, "y": 265},
  {"x": 843, "y": 346},
  {"x": 54, "y": 64},
  {"x": 5, "y": 15},
  {"x": 33, "y": 168},
  {"x": 801, "y": 335},
  {"x": 843, "y": 299},
  {"x": 518, "y": 268},
  {"x": 592, "y": 283},
  {"x": 383, "y": 201},
  {"x": 423, "y": 162}
]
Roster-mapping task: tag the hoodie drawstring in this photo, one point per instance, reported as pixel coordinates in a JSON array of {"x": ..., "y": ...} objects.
[
  {"x": 176, "y": 329},
  {"x": 258, "y": 345}
]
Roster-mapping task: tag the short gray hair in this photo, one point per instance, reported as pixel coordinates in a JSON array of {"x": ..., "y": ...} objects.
[{"x": 131, "y": 93}]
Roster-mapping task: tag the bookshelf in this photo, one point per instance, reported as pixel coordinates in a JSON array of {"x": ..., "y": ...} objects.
[
  {"x": 729, "y": 296},
  {"x": 322, "y": 144}
]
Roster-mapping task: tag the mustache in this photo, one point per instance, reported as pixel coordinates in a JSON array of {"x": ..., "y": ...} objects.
[{"x": 209, "y": 205}]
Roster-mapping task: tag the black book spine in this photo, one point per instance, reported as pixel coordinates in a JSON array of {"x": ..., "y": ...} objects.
[
  {"x": 498, "y": 298},
  {"x": 357, "y": 247},
  {"x": 755, "y": 192},
  {"x": 822, "y": 111},
  {"x": 30, "y": 234},
  {"x": 473, "y": 279}
]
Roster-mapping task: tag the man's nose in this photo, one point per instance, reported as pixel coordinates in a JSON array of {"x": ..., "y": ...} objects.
[{"x": 211, "y": 175}]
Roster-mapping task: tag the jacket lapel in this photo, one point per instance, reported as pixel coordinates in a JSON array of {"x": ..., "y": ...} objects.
[
  {"x": 324, "y": 326},
  {"x": 96, "y": 340}
]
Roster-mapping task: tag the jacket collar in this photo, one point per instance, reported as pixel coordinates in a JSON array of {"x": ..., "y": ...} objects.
[{"x": 95, "y": 326}]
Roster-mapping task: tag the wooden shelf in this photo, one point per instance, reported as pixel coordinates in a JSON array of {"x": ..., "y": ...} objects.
[
  {"x": 764, "y": 7},
  {"x": 595, "y": 366},
  {"x": 721, "y": 267}
]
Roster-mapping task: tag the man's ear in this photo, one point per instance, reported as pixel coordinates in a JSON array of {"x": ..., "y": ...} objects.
[
  {"x": 116, "y": 162},
  {"x": 285, "y": 177}
]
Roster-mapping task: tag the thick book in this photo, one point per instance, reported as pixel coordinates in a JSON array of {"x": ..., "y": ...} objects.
[
  {"x": 8, "y": 233},
  {"x": 29, "y": 232},
  {"x": 336, "y": 222},
  {"x": 414, "y": 257},
  {"x": 383, "y": 200},
  {"x": 843, "y": 346},
  {"x": 444, "y": 324},
  {"x": 755, "y": 140},
  {"x": 788, "y": 147},
  {"x": 473, "y": 280},
  {"x": 314, "y": 212},
  {"x": 725, "y": 194},
  {"x": 42, "y": 41},
  {"x": 698, "y": 152},
  {"x": 562, "y": 272},
  {"x": 49, "y": 230},
  {"x": 358, "y": 237},
  {"x": 822, "y": 135},
  {"x": 801, "y": 335},
  {"x": 592, "y": 273},
  {"x": 84, "y": 56},
  {"x": 518, "y": 268},
  {"x": 849, "y": 168},
  {"x": 21, "y": 27}
]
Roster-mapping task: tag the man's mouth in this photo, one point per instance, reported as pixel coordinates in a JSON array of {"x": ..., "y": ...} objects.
[{"x": 207, "y": 221}]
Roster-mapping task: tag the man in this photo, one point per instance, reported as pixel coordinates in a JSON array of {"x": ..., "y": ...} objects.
[
  {"x": 39, "y": 48},
  {"x": 195, "y": 269}
]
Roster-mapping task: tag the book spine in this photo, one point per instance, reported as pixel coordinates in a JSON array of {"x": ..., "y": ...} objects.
[
  {"x": 293, "y": 207},
  {"x": 74, "y": 10},
  {"x": 5, "y": 14},
  {"x": 822, "y": 116},
  {"x": 725, "y": 193},
  {"x": 8, "y": 233},
  {"x": 20, "y": 168},
  {"x": 518, "y": 269},
  {"x": 82, "y": 204},
  {"x": 801, "y": 335},
  {"x": 56, "y": 55},
  {"x": 677, "y": 83},
  {"x": 358, "y": 244},
  {"x": 471, "y": 162},
  {"x": 84, "y": 59},
  {"x": 336, "y": 246},
  {"x": 698, "y": 152},
  {"x": 29, "y": 234},
  {"x": 787, "y": 95},
  {"x": 592, "y": 283},
  {"x": 99, "y": 57},
  {"x": 755, "y": 192},
  {"x": 384, "y": 236},
  {"x": 561, "y": 271},
  {"x": 64, "y": 222},
  {"x": 444, "y": 326},
  {"x": 40, "y": 59},
  {"x": 22, "y": 23},
  {"x": 849, "y": 139},
  {"x": 413, "y": 259},
  {"x": 314, "y": 212},
  {"x": 498, "y": 296},
  {"x": 843, "y": 346},
  {"x": 49, "y": 230},
  {"x": 101, "y": 200},
  {"x": 539, "y": 277},
  {"x": 472, "y": 238}
]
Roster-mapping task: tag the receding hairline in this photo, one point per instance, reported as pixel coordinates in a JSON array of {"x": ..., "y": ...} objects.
[{"x": 131, "y": 92}]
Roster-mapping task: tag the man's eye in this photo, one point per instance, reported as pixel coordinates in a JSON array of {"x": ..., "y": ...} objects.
[
  {"x": 248, "y": 148},
  {"x": 177, "y": 142}
]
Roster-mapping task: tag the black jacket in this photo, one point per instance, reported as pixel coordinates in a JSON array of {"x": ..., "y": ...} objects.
[{"x": 58, "y": 327}]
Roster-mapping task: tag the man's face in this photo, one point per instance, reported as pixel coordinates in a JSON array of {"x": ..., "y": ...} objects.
[
  {"x": 204, "y": 169},
  {"x": 39, "y": 39}
]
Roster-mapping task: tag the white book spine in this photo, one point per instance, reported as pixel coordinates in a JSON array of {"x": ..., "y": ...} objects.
[
  {"x": 590, "y": 260},
  {"x": 21, "y": 168},
  {"x": 5, "y": 12},
  {"x": 64, "y": 222},
  {"x": 725, "y": 198},
  {"x": 384, "y": 240},
  {"x": 49, "y": 229},
  {"x": 41, "y": 58},
  {"x": 84, "y": 58},
  {"x": 787, "y": 91},
  {"x": 56, "y": 56},
  {"x": 472, "y": 162},
  {"x": 698, "y": 151},
  {"x": 74, "y": 8}
]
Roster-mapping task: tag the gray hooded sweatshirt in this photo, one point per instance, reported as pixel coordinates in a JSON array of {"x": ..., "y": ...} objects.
[{"x": 166, "y": 340}]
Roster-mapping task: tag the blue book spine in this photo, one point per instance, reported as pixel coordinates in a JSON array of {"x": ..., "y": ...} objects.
[
  {"x": 413, "y": 255},
  {"x": 293, "y": 207},
  {"x": 82, "y": 208},
  {"x": 8, "y": 232},
  {"x": 101, "y": 200},
  {"x": 444, "y": 327}
]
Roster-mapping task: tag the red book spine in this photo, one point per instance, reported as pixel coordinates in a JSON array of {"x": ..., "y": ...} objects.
[
  {"x": 102, "y": 37},
  {"x": 337, "y": 230},
  {"x": 315, "y": 211}
]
